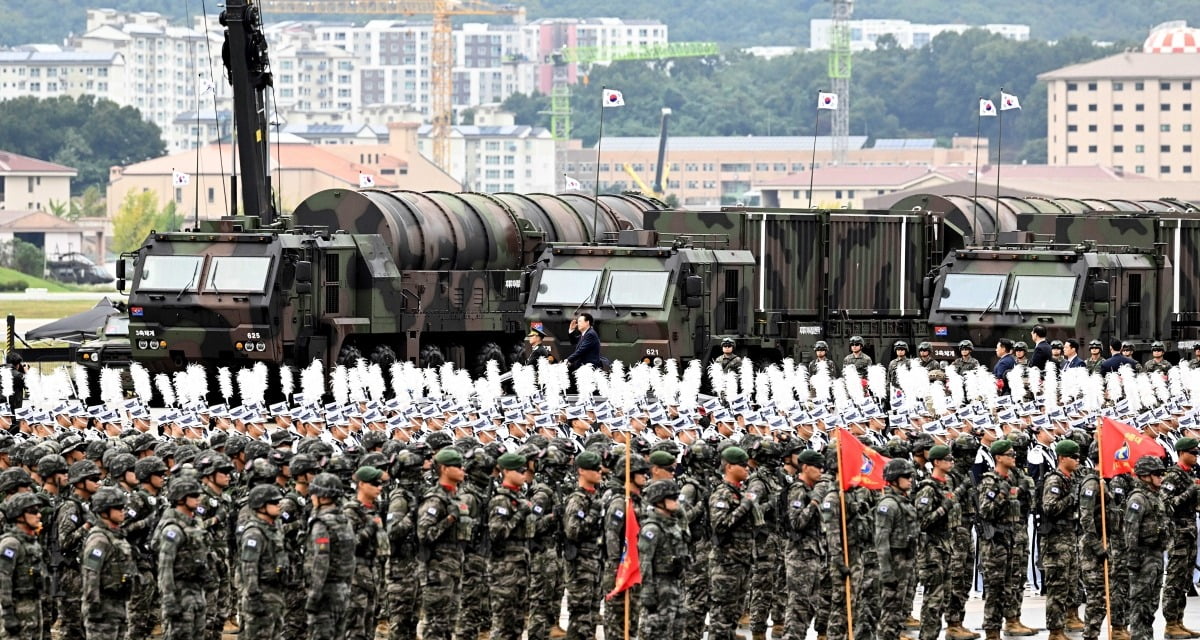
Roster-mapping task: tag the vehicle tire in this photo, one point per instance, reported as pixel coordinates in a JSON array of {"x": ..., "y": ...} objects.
[
  {"x": 431, "y": 356},
  {"x": 489, "y": 351}
]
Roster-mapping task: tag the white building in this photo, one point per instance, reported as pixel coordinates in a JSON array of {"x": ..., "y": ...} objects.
[
  {"x": 53, "y": 73},
  {"x": 864, "y": 33},
  {"x": 497, "y": 155}
]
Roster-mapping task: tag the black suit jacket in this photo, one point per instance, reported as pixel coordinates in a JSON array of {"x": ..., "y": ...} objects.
[
  {"x": 1003, "y": 366},
  {"x": 1041, "y": 353},
  {"x": 587, "y": 351}
]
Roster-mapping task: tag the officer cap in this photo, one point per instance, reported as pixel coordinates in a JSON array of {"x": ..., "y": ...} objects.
[
  {"x": 966, "y": 344},
  {"x": 326, "y": 485},
  {"x": 1186, "y": 444},
  {"x": 262, "y": 495},
  {"x": 662, "y": 459},
  {"x": 821, "y": 344},
  {"x": 148, "y": 466},
  {"x": 660, "y": 490},
  {"x": 925, "y": 346},
  {"x": 512, "y": 462},
  {"x": 17, "y": 504},
  {"x": 1067, "y": 449},
  {"x": 856, "y": 340},
  {"x": 182, "y": 488},
  {"x": 81, "y": 471},
  {"x": 939, "y": 452},
  {"x": 449, "y": 458},
  {"x": 1157, "y": 345},
  {"x": 534, "y": 331},
  {"x": 51, "y": 464},
  {"x": 1149, "y": 466},
  {"x": 811, "y": 458},
  {"x": 897, "y": 468},
  {"x": 369, "y": 475},
  {"x": 1002, "y": 446},
  {"x": 588, "y": 460},
  {"x": 735, "y": 455},
  {"x": 108, "y": 498},
  {"x": 1020, "y": 346}
]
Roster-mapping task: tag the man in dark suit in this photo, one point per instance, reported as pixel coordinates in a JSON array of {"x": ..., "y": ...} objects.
[
  {"x": 1004, "y": 363},
  {"x": 587, "y": 343},
  {"x": 1071, "y": 353},
  {"x": 1041, "y": 348},
  {"x": 1119, "y": 359}
]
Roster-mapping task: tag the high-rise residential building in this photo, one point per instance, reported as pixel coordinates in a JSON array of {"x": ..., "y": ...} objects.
[
  {"x": 908, "y": 35},
  {"x": 50, "y": 72},
  {"x": 1133, "y": 111}
]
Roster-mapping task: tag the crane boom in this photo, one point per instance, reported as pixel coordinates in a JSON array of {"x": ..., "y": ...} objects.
[{"x": 245, "y": 56}]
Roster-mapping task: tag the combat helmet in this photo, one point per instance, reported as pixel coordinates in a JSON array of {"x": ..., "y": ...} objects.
[
  {"x": 966, "y": 345},
  {"x": 856, "y": 340},
  {"x": 51, "y": 464},
  {"x": 17, "y": 504},
  {"x": 821, "y": 344},
  {"x": 900, "y": 344},
  {"x": 82, "y": 471},
  {"x": 660, "y": 490},
  {"x": 925, "y": 346},
  {"x": 182, "y": 489},
  {"x": 326, "y": 485},
  {"x": 897, "y": 468},
  {"x": 149, "y": 466},
  {"x": 108, "y": 498},
  {"x": 1149, "y": 466},
  {"x": 262, "y": 495}
]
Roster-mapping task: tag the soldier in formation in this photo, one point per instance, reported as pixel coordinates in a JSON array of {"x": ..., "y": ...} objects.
[{"x": 452, "y": 511}]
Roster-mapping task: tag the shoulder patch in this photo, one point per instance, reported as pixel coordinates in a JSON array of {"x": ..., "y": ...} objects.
[
  {"x": 582, "y": 515},
  {"x": 1135, "y": 506},
  {"x": 251, "y": 543},
  {"x": 797, "y": 504},
  {"x": 74, "y": 518},
  {"x": 9, "y": 552},
  {"x": 991, "y": 494},
  {"x": 131, "y": 513},
  {"x": 1168, "y": 486},
  {"x": 1054, "y": 490},
  {"x": 649, "y": 534},
  {"x": 925, "y": 500},
  {"x": 618, "y": 514},
  {"x": 171, "y": 534},
  {"x": 883, "y": 508},
  {"x": 537, "y": 508},
  {"x": 1088, "y": 492},
  {"x": 431, "y": 511},
  {"x": 826, "y": 505},
  {"x": 97, "y": 552},
  {"x": 501, "y": 511},
  {"x": 720, "y": 504}
]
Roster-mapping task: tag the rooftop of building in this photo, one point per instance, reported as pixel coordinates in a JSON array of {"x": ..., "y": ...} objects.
[
  {"x": 16, "y": 163},
  {"x": 729, "y": 143}
]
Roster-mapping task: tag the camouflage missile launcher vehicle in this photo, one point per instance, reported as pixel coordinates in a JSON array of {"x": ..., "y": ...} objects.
[{"x": 428, "y": 277}]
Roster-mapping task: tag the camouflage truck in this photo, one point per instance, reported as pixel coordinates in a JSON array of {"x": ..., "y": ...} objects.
[{"x": 427, "y": 277}]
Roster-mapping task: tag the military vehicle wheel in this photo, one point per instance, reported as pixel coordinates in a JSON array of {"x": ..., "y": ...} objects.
[
  {"x": 384, "y": 356},
  {"x": 515, "y": 353},
  {"x": 349, "y": 355},
  {"x": 489, "y": 351},
  {"x": 431, "y": 356}
]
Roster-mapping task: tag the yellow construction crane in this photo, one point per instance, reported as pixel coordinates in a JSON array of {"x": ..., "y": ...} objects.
[{"x": 441, "y": 108}]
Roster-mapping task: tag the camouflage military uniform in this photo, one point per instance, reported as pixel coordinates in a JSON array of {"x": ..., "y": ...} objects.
[
  {"x": 582, "y": 527},
  {"x": 662, "y": 554},
  {"x": 141, "y": 518},
  {"x": 733, "y": 517},
  {"x": 802, "y": 558},
  {"x": 999, "y": 513},
  {"x": 963, "y": 365},
  {"x": 545, "y": 570},
  {"x": 108, "y": 575},
  {"x": 693, "y": 504},
  {"x": 366, "y": 524},
  {"x": 893, "y": 367},
  {"x": 71, "y": 522},
  {"x": 730, "y": 363},
  {"x": 766, "y": 583},
  {"x": 184, "y": 552},
  {"x": 862, "y": 571},
  {"x": 262, "y": 570},
  {"x": 329, "y": 564},
  {"x": 614, "y": 544},
  {"x": 441, "y": 552},
  {"x": 1093, "y": 365},
  {"x": 475, "y": 614},
  {"x": 1026, "y": 497},
  {"x": 23, "y": 576},
  {"x": 1092, "y": 554},
  {"x": 403, "y": 589},
  {"x": 1154, "y": 365},
  {"x": 1120, "y": 562},
  {"x": 510, "y": 526},
  {"x": 939, "y": 515},
  {"x": 1180, "y": 496},
  {"x": 1060, "y": 515},
  {"x": 814, "y": 366},
  {"x": 1147, "y": 535},
  {"x": 861, "y": 361},
  {"x": 896, "y": 533},
  {"x": 293, "y": 523},
  {"x": 213, "y": 514}
]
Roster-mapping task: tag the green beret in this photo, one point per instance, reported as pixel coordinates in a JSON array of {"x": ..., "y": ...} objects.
[
  {"x": 939, "y": 452},
  {"x": 511, "y": 462},
  {"x": 1000, "y": 446},
  {"x": 588, "y": 460},
  {"x": 1186, "y": 444},
  {"x": 449, "y": 458},
  {"x": 1069, "y": 449},
  {"x": 734, "y": 455},
  {"x": 662, "y": 459},
  {"x": 368, "y": 474},
  {"x": 811, "y": 458}
]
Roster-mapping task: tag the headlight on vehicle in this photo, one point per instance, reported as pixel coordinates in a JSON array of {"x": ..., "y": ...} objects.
[{"x": 142, "y": 344}]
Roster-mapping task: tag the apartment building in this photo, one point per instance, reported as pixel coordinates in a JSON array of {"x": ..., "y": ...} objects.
[
  {"x": 1133, "y": 111},
  {"x": 49, "y": 72},
  {"x": 496, "y": 155},
  {"x": 908, "y": 35}
]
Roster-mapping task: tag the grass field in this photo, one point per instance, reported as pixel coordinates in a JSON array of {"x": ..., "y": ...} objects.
[
  {"x": 10, "y": 275},
  {"x": 34, "y": 308}
]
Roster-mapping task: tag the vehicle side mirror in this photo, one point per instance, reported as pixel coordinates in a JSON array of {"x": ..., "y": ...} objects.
[
  {"x": 1100, "y": 291},
  {"x": 121, "y": 275},
  {"x": 304, "y": 271},
  {"x": 693, "y": 286}
]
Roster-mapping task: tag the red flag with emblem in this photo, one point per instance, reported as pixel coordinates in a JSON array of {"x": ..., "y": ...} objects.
[
  {"x": 858, "y": 466},
  {"x": 629, "y": 572},
  {"x": 1121, "y": 445}
]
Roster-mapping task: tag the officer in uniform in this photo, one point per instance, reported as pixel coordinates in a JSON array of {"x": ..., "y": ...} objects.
[
  {"x": 860, "y": 360},
  {"x": 938, "y": 514},
  {"x": 537, "y": 350},
  {"x": 1059, "y": 521},
  {"x": 821, "y": 359},
  {"x": 1180, "y": 496},
  {"x": 965, "y": 361},
  {"x": 183, "y": 563},
  {"x": 614, "y": 540},
  {"x": 730, "y": 362},
  {"x": 734, "y": 517},
  {"x": 22, "y": 568},
  {"x": 475, "y": 615},
  {"x": 141, "y": 517},
  {"x": 896, "y": 534},
  {"x": 926, "y": 359},
  {"x": 1056, "y": 353},
  {"x": 901, "y": 359},
  {"x": 329, "y": 560},
  {"x": 1157, "y": 363},
  {"x": 1019, "y": 353},
  {"x": 1147, "y": 536},
  {"x": 802, "y": 551},
  {"x": 662, "y": 554},
  {"x": 1094, "y": 554},
  {"x": 1095, "y": 357},
  {"x": 582, "y": 527},
  {"x": 362, "y": 514},
  {"x": 442, "y": 527},
  {"x": 999, "y": 513},
  {"x": 510, "y": 526},
  {"x": 213, "y": 513},
  {"x": 72, "y": 520},
  {"x": 403, "y": 590},
  {"x": 262, "y": 566},
  {"x": 1195, "y": 361},
  {"x": 109, "y": 569}
]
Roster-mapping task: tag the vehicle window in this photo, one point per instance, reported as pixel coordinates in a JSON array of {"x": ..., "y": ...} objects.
[
  {"x": 971, "y": 291},
  {"x": 636, "y": 288},
  {"x": 116, "y": 326},
  {"x": 243, "y": 274},
  {"x": 170, "y": 273},
  {"x": 566, "y": 286},
  {"x": 1050, "y": 294}
]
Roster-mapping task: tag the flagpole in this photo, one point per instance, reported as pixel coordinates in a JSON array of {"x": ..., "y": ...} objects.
[
  {"x": 975, "y": 200},
  {"x": 1104, "y": 529},
  {"x": 813, "y": 163},
  {"x": 999, "y": 148},
  {"x": 845, "y": 549},
  {"x": 628, "y": 492},
  {"x": 595, "y": 239}
]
